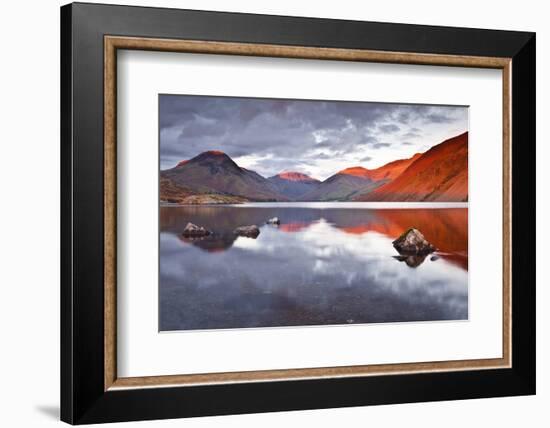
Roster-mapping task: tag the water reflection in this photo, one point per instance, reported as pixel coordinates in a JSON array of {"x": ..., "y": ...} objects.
[
  {"x": 411, "y": 260},
  {"x": 320, "y": 266}
]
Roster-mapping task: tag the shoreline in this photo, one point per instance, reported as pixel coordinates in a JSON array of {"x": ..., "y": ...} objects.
[{"x": 332, "y": 205}]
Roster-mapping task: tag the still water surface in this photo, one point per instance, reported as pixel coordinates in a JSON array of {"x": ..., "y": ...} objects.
[{"x": 326, "y": 263}]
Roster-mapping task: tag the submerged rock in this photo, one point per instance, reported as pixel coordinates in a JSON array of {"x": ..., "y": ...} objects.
[
  {"x": 413, "y": 242},
  {"x": 274, "y": 220},
  {"x": 249, "y": 231},
  {"x": 192, "y": 230},
  {"x": 412, "y": 261}
]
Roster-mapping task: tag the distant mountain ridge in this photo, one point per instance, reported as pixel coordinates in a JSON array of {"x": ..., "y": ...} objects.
[
  {"x": 295, "y": 176},
  {"x": 354, "y": 182},
  {"x": 440, "y": 174},
  {"x": 293, "y": 184},
  {"x": 339, "y": 187}
]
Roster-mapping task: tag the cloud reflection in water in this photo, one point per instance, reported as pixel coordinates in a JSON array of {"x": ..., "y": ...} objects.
[{"x": 320, "y": 274}]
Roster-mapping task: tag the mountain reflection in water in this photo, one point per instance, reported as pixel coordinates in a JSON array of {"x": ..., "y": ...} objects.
[{"x": 320, "y": 266}]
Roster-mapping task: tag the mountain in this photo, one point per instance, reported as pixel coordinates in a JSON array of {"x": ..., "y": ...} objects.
[
  {"x": 356, "y": 171},
  {"x": 381, "y": 175},
  {"x": 356, "y": 182},
  {"x": 440, "y": 174},
  {"x": 342, "y": 186},
  {"x": 385, "y": 173},
  {"x": 215, "y": 173},
  {"x": 172, "y": 192},
  {"x": 391, "y": 170},
  {"x": 293, "y": 184}
]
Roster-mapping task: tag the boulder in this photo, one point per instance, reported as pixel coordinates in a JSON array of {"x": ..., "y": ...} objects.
[
  {"x": 249, "y": 231},
  {"x": 192, "y": 230},
  {"x": 413, "y": 242},
  {"x": 274, "y": 220}
]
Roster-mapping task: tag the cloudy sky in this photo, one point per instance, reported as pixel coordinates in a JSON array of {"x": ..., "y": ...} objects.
[{"x": 318, "y": 138}]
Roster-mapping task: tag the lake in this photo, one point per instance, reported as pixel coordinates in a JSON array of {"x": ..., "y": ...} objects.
[{"x": 325, "y": 264}]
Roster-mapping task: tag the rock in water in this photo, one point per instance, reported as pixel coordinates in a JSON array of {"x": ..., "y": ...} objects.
[
  {"x": 248, "y": 231},
  {"x": 413, "y": 242},
  {"x": 274, "y": 220},
  {"x": 192, "y": 230}
]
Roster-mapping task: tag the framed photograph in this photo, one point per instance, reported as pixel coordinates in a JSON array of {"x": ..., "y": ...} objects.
[{"x": 265, "y": 213}]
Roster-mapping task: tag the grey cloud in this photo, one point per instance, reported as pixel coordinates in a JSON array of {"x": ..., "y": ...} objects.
[
  {"x": 438, "y": 118},
  {"x": 389, "y": 128},
  {"x": 324, "y": 144},
  {"x": 403, "y": 117},
  {"x": 427, "y": 114},
  {"x": 411, "y": 135},
  {"x": 324, "y": 156},
  {"x": 285, "y": 130}
]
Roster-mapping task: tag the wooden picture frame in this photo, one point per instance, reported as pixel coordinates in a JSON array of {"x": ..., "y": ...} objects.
[{"x": 91, "y": 390}]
